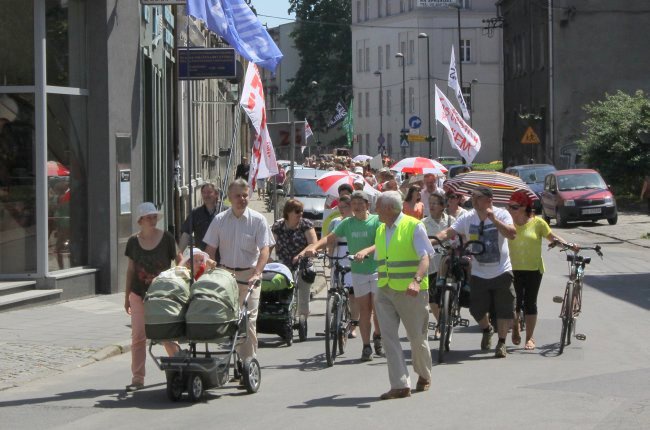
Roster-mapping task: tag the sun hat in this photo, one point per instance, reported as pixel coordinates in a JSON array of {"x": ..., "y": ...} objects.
[
  {"x": 147, "y": 208},
  {"x": 195, "y": 251},
  {"x": 521, "y": 198}
]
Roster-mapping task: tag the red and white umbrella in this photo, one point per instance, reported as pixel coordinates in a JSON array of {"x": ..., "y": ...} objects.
[
  {"x": 419, "y": 165},
  {"x": 54, "y": 168},
  {"x": 331, "y": 181},
  {"x": 361, "y": 158}
]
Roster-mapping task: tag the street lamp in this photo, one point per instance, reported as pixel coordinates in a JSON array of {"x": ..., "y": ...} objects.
[
  {"x": 404, "y": 129},
  {"x": 380, "y": 139},
  {"x": 429, "y": 137},
  {"x": 471, "y": 95},
  {"x": 458, "y": 6},
  {"x": 314, "y": 85}
]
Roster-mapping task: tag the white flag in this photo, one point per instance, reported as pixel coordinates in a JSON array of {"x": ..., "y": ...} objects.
[
  {"x": 308, "y": 132},
  {"x": 453, "y": 83},
  {"x": 461, "y": 135},
  {"x": 263, "y": 162}
]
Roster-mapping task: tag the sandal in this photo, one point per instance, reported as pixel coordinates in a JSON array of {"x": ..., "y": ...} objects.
[{"x": 530, "y": 344}]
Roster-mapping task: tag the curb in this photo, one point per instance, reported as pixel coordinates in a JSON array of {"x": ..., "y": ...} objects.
[
  {"x": 630, "y": 241},
  {"x": 110, "y": 351}
]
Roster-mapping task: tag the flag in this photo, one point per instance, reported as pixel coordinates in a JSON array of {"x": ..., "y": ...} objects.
[
  {"x": 461, "y": 136},
  {"x": 263, "y": 162},
  {"x": 348, "y": 124},
  {"x": 453, "y": 83},
  {"x": 338, "y": 116},
  {"x": 308, "y": 132},
  {"x": 237, "y": 24}
]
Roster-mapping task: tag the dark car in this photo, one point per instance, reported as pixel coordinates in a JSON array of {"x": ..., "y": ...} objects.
[
  {"x": 577, "y": 195},
  {"x": 533, "y": 175},
  {"x": 457, "y": 169}
]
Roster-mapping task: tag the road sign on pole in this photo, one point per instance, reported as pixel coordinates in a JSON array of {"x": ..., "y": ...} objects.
[
  {"x": 404, "y": 143},
  {"x": 530, "y": 137},
  {"x": 415, "y": 121}
]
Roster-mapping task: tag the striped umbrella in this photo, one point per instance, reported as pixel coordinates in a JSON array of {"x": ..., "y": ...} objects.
[
  {"x": 419, "y": 165},
  {"x": 331, "y": 181},
  {"x": 502, "y": 184}
]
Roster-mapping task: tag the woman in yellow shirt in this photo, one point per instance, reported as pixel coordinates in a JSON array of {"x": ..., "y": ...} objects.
[{"x": 527, "y": 263}]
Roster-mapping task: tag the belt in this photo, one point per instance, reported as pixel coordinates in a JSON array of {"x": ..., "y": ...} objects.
[{"x": 235, "y": 269}]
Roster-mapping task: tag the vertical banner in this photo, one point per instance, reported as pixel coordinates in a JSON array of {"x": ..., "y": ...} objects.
[
  {"x": 461, "y": 136},
  {"x": 452, "y": 82}
]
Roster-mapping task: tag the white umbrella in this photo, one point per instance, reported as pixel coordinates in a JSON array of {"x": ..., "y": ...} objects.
[
  {"x": 361, "y": 158},
  {"x": 419, "y": 165}
]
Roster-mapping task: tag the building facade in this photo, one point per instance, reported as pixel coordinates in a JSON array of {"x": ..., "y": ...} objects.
[
  {"x": 383, "y": 28},
  {"x": 560, "y": 55},
  {"x": 90, "y": 126}
]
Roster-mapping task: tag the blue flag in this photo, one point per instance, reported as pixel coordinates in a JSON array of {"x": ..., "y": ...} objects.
[{"x": 235, "y": 21}]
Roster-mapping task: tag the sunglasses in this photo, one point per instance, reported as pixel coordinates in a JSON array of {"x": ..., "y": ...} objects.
[{"x": 514, "y": 207}]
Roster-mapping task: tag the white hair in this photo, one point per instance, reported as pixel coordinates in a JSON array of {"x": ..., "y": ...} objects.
[{"x": 392, "y": 199}]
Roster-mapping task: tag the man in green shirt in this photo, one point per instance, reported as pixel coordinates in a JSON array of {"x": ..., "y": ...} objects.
[{"x": 359, "y": 232}]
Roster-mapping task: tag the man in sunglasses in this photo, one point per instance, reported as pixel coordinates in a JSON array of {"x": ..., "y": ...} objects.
[{"x": 491, "y": 280}]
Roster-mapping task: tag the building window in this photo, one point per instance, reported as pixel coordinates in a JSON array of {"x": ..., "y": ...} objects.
[
  {"x": 388, "y": 12},
  {"x": 380, "y": 57},
  {"x": 402, "y": 46},
  {"x": 401, "y": 6},
  {"x": 411, "y": 55},
  {"x": 367, "y": 60},
  {"x": 465, "y": 4},
  {"x": 367, "y": 104},
  {"x": 360, "y": 105},
  {"x": 388, "y": 102},
  {"x": 358, "y": 11},
  {"x": 387, "y": 57},
  {"x": 411, "y": 2},
  {"x": 359, "y": 59},
  {"x": 467, "y": 95},
  {"x": 367, "y": 143},
  {"x": 389, "y": 143},
  {"x": 379, "y": 8},
  {"x": 411, "y": 99},
  {"x": 465, "y": 51}
]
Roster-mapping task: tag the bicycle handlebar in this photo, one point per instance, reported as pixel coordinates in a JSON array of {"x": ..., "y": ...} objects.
[
  {"x": 465, "y": 248},
  {"x": 571, "y": 247}
]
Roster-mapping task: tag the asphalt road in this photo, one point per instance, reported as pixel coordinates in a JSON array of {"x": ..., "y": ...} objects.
[{"x": 598, "y": 383}]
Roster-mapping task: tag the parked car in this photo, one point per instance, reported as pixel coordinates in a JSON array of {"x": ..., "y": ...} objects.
[
  {"x": 457, "y": 169},
  {"x": 577, "y": 195},
  {"x": 306, "y": 191},
  {"x": 533, "y": 175}
]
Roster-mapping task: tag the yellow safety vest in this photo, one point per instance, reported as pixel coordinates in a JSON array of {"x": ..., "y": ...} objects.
[{"x": 398, "y": 264}]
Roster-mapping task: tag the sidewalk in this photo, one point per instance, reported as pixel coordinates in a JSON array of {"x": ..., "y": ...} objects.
[{"x": 633, "y": 227}]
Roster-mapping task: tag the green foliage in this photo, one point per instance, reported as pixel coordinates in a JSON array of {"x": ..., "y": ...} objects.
[
  {"x": 324, "y": 42},
  {"x": 488, "y": 166},
  {"x": 612, "y": 142}
]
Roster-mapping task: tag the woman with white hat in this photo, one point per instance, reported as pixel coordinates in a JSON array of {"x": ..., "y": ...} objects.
[{"x": 150, "y": 251}]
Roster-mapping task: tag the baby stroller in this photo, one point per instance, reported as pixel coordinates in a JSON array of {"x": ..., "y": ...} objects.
[
  {"x": 212, "y": 316},
  {"x": 278, "y": 308}
]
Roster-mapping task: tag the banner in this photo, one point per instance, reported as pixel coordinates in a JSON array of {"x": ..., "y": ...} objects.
[
  {"x": 237, "y": 24},
  {"x": 452, "y": 82},
  {"x": 348, "y": 124},
  {"x": 461, "y": 136},
  {"x": 338, "y": 116},
  {"x": 263, "y": 163}
]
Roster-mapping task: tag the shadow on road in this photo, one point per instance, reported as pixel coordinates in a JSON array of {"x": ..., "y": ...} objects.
[
  {"x": 633, "y": 288},
  {"x": 336, "y": 401}
]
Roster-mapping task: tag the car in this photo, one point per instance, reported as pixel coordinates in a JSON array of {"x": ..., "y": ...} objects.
[
  {"x": 577, "y": 195},
  {"x": 450, "y": 160},
  {"x": 307, "y": 192},
  {"x": 457, "y": 169},
  {"x": 533, "y": 175}
]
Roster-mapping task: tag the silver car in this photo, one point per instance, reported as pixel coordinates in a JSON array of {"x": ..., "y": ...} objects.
[{"x": 307, "y": 192}]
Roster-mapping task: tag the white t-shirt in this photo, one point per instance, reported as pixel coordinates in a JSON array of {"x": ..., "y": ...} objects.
[{"x": 496, "y": 259}]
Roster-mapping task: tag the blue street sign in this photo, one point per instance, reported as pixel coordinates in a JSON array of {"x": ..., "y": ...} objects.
[{"x": 415, "y": 121}]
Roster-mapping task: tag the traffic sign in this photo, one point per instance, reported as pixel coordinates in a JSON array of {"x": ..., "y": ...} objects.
[
  {"x": 404, "y": 143},
  {"x": 415, "y": 121},
  {"x": 417, "y": 138},
  {"x": 530, "y": 137}
]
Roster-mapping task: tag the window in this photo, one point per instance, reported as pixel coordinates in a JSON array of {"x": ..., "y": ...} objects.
[
  {"x": 366, "y": 7},
  {"x": 360, "y": 107},
  {"x": 467, "y": 95},
  {"x": 411, "y": 99},
  {"x": 388, "y": 102},
  {"x": 17, "y": 44},
  {"x": 411, "y": 56},
  {"x": 367, "y": 60},
  {"x": 465, "y": 51},
  {"x": 379, "y": 8},
  {"x": 389, "y": 143},
  {"x": 359, "y": 60},
  {"x": 388, "y": 12},
  {"x": 387, "y": 57},
  {"x": 367, "y": 104},
  {"x": 402, "y": 46},
  {"x": 411, "y": 4},
  {"x": 380, "y": 57},
  {"x": 466, "y": 4},
  {"x": 367, "y": 143},
  {"x": 401, "y": 6},
  {"x": 358, "y": 11}
]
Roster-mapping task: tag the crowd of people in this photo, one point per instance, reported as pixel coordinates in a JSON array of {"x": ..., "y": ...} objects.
[{"x": 392, "y": 234}]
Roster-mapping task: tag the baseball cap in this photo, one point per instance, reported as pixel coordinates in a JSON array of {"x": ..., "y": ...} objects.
[
  {"x": 359, "y": 180},
  {"x": 486, "y": 191},
  {"x": 360, "y": 195},
  {"x": 358, "y": 170},
  {"x": 195, "y": 252},
  {"x": 521, "y": 198},
  {"x": 147, "y": 208}
]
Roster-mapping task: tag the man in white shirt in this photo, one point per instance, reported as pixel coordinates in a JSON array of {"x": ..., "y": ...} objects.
[
  {"x": 491, "y": 281},
  {"x": 430, "y": 186},
  {"x": 243, "y": 239}
]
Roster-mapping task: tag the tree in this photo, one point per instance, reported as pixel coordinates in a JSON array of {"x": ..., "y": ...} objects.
[
  {"x": 617, "y": 139},
  {"x": 324, "y": 42}
]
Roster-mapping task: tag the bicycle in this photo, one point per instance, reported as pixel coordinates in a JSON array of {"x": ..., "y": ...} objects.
[
  {"x": 454, "y": 281},
  {"x": 572, "y": 300},
  {"x": 338, "y": 317}
]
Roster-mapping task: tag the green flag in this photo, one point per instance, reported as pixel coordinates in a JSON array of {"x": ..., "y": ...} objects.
[{"x": 348, "y": 123}]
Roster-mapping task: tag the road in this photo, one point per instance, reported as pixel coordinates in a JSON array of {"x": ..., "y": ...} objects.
[{"x": 599, "y": 383}]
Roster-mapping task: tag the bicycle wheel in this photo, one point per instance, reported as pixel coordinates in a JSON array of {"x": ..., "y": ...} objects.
[
  {"x": 344, "y": 318},
  {"x": 567, "y": 316},
  {"x": 575, "y": 307},
  {"x": 330, "y": 329},
  {"x": 443, "y": 322}
]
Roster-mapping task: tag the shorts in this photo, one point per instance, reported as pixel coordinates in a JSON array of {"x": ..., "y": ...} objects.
[
  {"x": 498, "y": 292},
  {"x": 364, "y": 283}
]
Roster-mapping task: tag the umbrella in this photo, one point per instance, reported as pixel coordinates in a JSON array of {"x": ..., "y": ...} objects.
[
  {"x": 54, "y": 168},
  {"x": 331, "y": 181},
  {"x": 361, "y": 158},
  {"x": 502, "y": 184},
  {"x": 419, "y": 165}
]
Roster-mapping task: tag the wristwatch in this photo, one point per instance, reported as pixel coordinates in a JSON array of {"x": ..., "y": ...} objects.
[{"x": 418, "y": 279}]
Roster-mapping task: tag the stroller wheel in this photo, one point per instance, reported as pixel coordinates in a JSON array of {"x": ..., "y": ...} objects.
[
  {"x": 252, "y": 375},
  {"x": 302, "y": 328},
  {"x": 195, "y": 387},
  {"x": 174, "y": 386}
]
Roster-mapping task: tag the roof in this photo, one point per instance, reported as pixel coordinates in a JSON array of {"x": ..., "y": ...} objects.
[
  {"x": 308, "y": 173},
  {"x": 573, "y": 171}
]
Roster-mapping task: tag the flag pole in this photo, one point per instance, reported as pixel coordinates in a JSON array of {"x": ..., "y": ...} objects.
[{"x": 189, "y": 140}]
